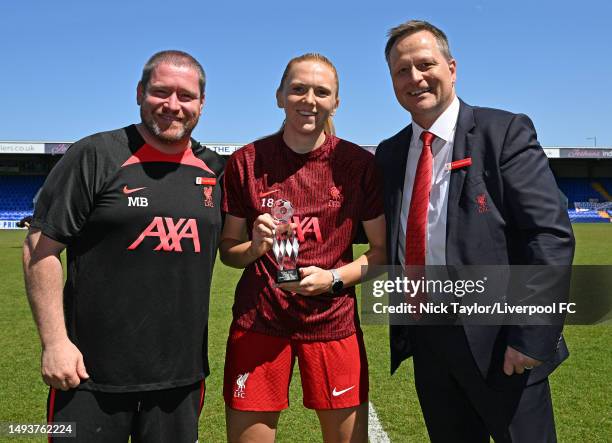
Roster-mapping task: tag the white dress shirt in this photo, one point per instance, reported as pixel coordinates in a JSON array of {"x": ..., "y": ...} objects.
[{"x": 442, "y": 149}]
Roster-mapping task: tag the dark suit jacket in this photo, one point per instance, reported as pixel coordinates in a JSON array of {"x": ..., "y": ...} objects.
[{"x": 524, "y": 223}]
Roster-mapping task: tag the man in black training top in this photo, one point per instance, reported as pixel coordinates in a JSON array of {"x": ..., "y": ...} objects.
[{"x": 124, "y": 347}]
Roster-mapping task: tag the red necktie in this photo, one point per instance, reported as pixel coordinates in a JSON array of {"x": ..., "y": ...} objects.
[{"x": 416, "y": 227}]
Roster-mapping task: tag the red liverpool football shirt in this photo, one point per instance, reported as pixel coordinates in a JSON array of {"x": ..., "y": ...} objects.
[{"x": 332, "y": 190}]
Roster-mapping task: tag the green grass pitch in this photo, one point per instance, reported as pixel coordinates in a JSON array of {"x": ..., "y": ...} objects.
[{"x": 582, "y": 386}]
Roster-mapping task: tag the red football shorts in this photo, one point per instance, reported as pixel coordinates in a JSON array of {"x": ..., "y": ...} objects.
[{"x": 258, "y": 370}]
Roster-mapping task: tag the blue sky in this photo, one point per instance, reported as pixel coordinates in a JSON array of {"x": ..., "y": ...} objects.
[{"x": 70, "y": 68}]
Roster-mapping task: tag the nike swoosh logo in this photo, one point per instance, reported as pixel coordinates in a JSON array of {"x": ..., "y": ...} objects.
[
  {"x": 263, "y": 194},
  {"x": 129, "y": 191},
  {"x": 337, "y": 393}
]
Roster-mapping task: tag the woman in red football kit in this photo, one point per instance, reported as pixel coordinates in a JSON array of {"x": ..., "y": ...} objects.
[{"x": 334, "y": 189}]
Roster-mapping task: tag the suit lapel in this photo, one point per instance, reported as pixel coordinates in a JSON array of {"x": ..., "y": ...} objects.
[
  {"x": 397, "y": 174},
  {"x": 462, "y": 147}
]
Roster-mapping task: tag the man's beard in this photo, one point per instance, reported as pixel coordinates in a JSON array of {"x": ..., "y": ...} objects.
[{"x": 183, "y": 134}]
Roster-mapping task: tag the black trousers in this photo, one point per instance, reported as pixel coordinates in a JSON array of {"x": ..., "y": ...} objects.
[
  {"x": 169, "y": 415},
  {"x": 460, "y": 405}
]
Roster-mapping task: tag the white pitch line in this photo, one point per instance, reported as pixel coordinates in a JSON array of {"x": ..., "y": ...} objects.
[{"x": 376, "y": 433}]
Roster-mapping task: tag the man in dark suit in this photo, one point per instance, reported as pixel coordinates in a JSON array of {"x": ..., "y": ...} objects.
[{"x": 498, "y": 207}]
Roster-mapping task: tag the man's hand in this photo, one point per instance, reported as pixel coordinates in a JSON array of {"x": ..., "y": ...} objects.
[
  {"x": 314, "y": 281},
  {"x": 62, "y": 365},
  {"x": 517, "y": 362}
]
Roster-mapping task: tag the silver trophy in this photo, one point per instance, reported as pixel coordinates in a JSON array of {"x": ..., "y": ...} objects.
[{"x": 285, "y": 244}]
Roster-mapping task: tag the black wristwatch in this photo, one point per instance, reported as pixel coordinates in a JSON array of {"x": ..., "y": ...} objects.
[{"x": 337, "y": 283}]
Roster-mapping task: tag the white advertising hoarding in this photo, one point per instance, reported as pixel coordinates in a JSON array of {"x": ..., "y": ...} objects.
[{"x": 22, "y": 148}]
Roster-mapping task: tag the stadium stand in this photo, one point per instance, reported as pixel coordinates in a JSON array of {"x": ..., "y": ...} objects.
[
  {"x": 589, "y": 201},
  {"x": 604, "y": 187},
  {"x": 584, "y": 176},
  {"x": 16, "y": 194},
  {"x": 577, "y": 190}
]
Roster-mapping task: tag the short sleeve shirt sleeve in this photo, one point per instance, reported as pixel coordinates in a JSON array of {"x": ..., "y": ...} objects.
[
  {"x": 234, "y": 187},
  {"x": 67, "y": 196},
  {"x": 372, "y": 191}
]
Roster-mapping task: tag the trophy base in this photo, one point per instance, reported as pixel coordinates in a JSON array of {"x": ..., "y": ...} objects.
[{"x": 288, "y": 276}]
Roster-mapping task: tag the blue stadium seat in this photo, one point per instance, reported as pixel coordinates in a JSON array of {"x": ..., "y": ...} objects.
[
  {"x": 16, "y": 194},
  {"x": 587, "y": 217},
  {"x": 581, "y": 189}
]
